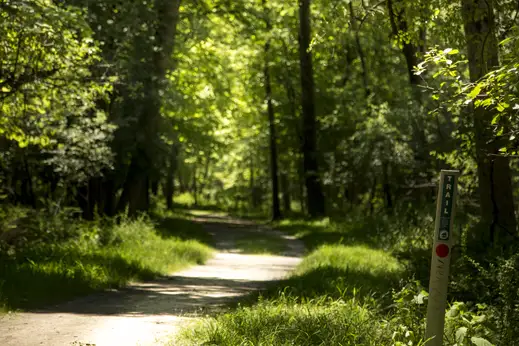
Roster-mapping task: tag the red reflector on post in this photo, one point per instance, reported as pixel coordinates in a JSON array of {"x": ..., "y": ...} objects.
[{"x": 442, "y": 250}]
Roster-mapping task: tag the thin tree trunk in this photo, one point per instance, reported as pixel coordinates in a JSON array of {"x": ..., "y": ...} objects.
[
  {"x": 276, "y": 211},
  {"x": 387, "y": 188},
  {"x": 169, "y": 189},
  {"x": 194, "y": 187},
  {"x": 205, "y": 176},
  {"x": 155, "y": 187},
  {"x": 372, "y": 196},
  {"x": 495, "y": 185},
  {"x": 360, "y": 51},
  {"x": 398, "y": 27},
  {"x": 109, "y": 197},
  {"x": 285, "y": 190},
  {"x": 314, "y": 191},
  {"x": 251, "y": 182}
]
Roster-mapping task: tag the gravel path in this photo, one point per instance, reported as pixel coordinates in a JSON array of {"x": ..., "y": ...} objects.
[{"x": 146, "y": 313}]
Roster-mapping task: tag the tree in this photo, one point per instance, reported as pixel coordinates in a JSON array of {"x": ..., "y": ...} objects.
[
  {"x": 315, "y": 196},
  {"x": 276, "y": 211},
  {"x": 494, "y": 176}
]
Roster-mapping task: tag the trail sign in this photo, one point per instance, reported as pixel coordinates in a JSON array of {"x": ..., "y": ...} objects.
[{"x": 441, "y": 257}]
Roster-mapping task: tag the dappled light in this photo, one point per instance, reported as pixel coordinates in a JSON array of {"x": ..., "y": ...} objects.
[{"x": 259, "y": 172}]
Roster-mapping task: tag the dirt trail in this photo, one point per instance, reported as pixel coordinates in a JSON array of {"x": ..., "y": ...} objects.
[{"x": 146, "y": 313}]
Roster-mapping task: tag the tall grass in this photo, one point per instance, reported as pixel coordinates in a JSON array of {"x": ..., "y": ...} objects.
[
  {"x": 285, "y": 321},
  {"x": 94, "y": 256}
]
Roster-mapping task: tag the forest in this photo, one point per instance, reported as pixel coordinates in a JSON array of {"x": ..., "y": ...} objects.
[{"x": 328, "y": 120}]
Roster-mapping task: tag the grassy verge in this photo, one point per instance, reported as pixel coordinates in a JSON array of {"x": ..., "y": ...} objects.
[
  {"x": 95, "y": 257},
  {"x": 356, "y": 286}
]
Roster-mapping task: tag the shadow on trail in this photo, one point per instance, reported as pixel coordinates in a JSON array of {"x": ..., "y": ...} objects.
[
  {"x": 167, "y": 296},
  {"x": 209, "y": 288}
]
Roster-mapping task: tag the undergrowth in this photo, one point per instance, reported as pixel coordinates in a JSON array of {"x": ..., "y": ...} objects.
[
  {"x": 56, "y": 257},
  {"x": 364, "y": 282}
]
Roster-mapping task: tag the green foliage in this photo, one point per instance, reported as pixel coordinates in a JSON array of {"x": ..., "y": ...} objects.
[
  {"x": 42, "y": 87},
  {"x": 495, "y": 91}
]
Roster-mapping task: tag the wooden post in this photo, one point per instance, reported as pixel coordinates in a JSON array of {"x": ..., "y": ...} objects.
[{"x": 441, "y": 257}]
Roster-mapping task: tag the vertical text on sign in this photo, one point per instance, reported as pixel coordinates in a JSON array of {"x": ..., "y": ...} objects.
[{"x": 446, "y": 207}]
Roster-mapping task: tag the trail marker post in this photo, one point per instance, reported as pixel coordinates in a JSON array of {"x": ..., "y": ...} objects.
[{"x": 441, "y": 257}]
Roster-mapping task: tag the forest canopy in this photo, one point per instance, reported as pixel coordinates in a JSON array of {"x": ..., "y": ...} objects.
[{"x": 320, "y": 107}]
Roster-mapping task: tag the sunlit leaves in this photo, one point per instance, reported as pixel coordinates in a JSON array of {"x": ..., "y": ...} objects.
[{"x": 47, "y": 55}]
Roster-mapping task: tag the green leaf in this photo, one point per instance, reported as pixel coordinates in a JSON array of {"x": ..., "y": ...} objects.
[
  {"x": 461, "y": 333},
  {"x": 475, "y": 92},
  {"x": 480, "y": 341}
]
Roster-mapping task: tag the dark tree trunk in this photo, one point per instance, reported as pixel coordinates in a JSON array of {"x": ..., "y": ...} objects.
[
  {"x": 94, "y": 196},
  {"x": 372, "y": 196},
  {"x": 387, "y": 188},
  {"x": 360, "y": 51},
  {"x": 169, "y": 189},
  {"x": 251, "y": 183},
  {"x": 141, "y": 168},
  {"x": 399, "y": 26},
  {"x": 155, "y": 187},
  {"x": 314, "y": 191},
  {"x": 194, "y": 187},
  {"x": 205, "y": 177},
  {"x": 82, "y": 201},
  {"x": 409, "y": 50},
  {"x": 285, "y": 190},
  {"x": 495, "y": 184},
  {"x": 135, "y": 194},
  {"x": 109, "y": 191},
  {"x": 276, "y": 211}
]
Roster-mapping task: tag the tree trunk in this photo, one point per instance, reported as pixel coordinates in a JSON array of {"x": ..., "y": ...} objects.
[
  {"x": 372, "y": 196},
  {"x": 285, "y": 190},
  {"x": 251, "y": 182},
  {"x": 276, "y": 211},
  {"x": 155, "y": 187},
  {"x": 495, "y": 185},
  {"x": 109, "y": 191},
  {"x": 141, "y": 168},
  {"x": 399, "y": 26},
  {"x": 194, "y": 187},
  {"x": 314, "y": 192},
  {"x": 169, "y": 189},
  {"x": 360, "y": 51},
  {"x": 387, "y": 188}
]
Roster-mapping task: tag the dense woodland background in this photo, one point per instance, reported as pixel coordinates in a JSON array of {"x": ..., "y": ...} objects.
[{"x": 319, "y": 108}]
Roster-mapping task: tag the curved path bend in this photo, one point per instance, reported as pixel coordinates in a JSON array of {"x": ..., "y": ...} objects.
[{"x": 148, "y": 313}]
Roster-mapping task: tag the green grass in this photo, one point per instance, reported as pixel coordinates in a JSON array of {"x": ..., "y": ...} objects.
[
  {"x": 288, "y": 322},
  {"x": 338, "y": 295},
  {"x": 46, "y": 273},
  {"x": 332, "y": 298},
  {"x": 333, "y": 270}
]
